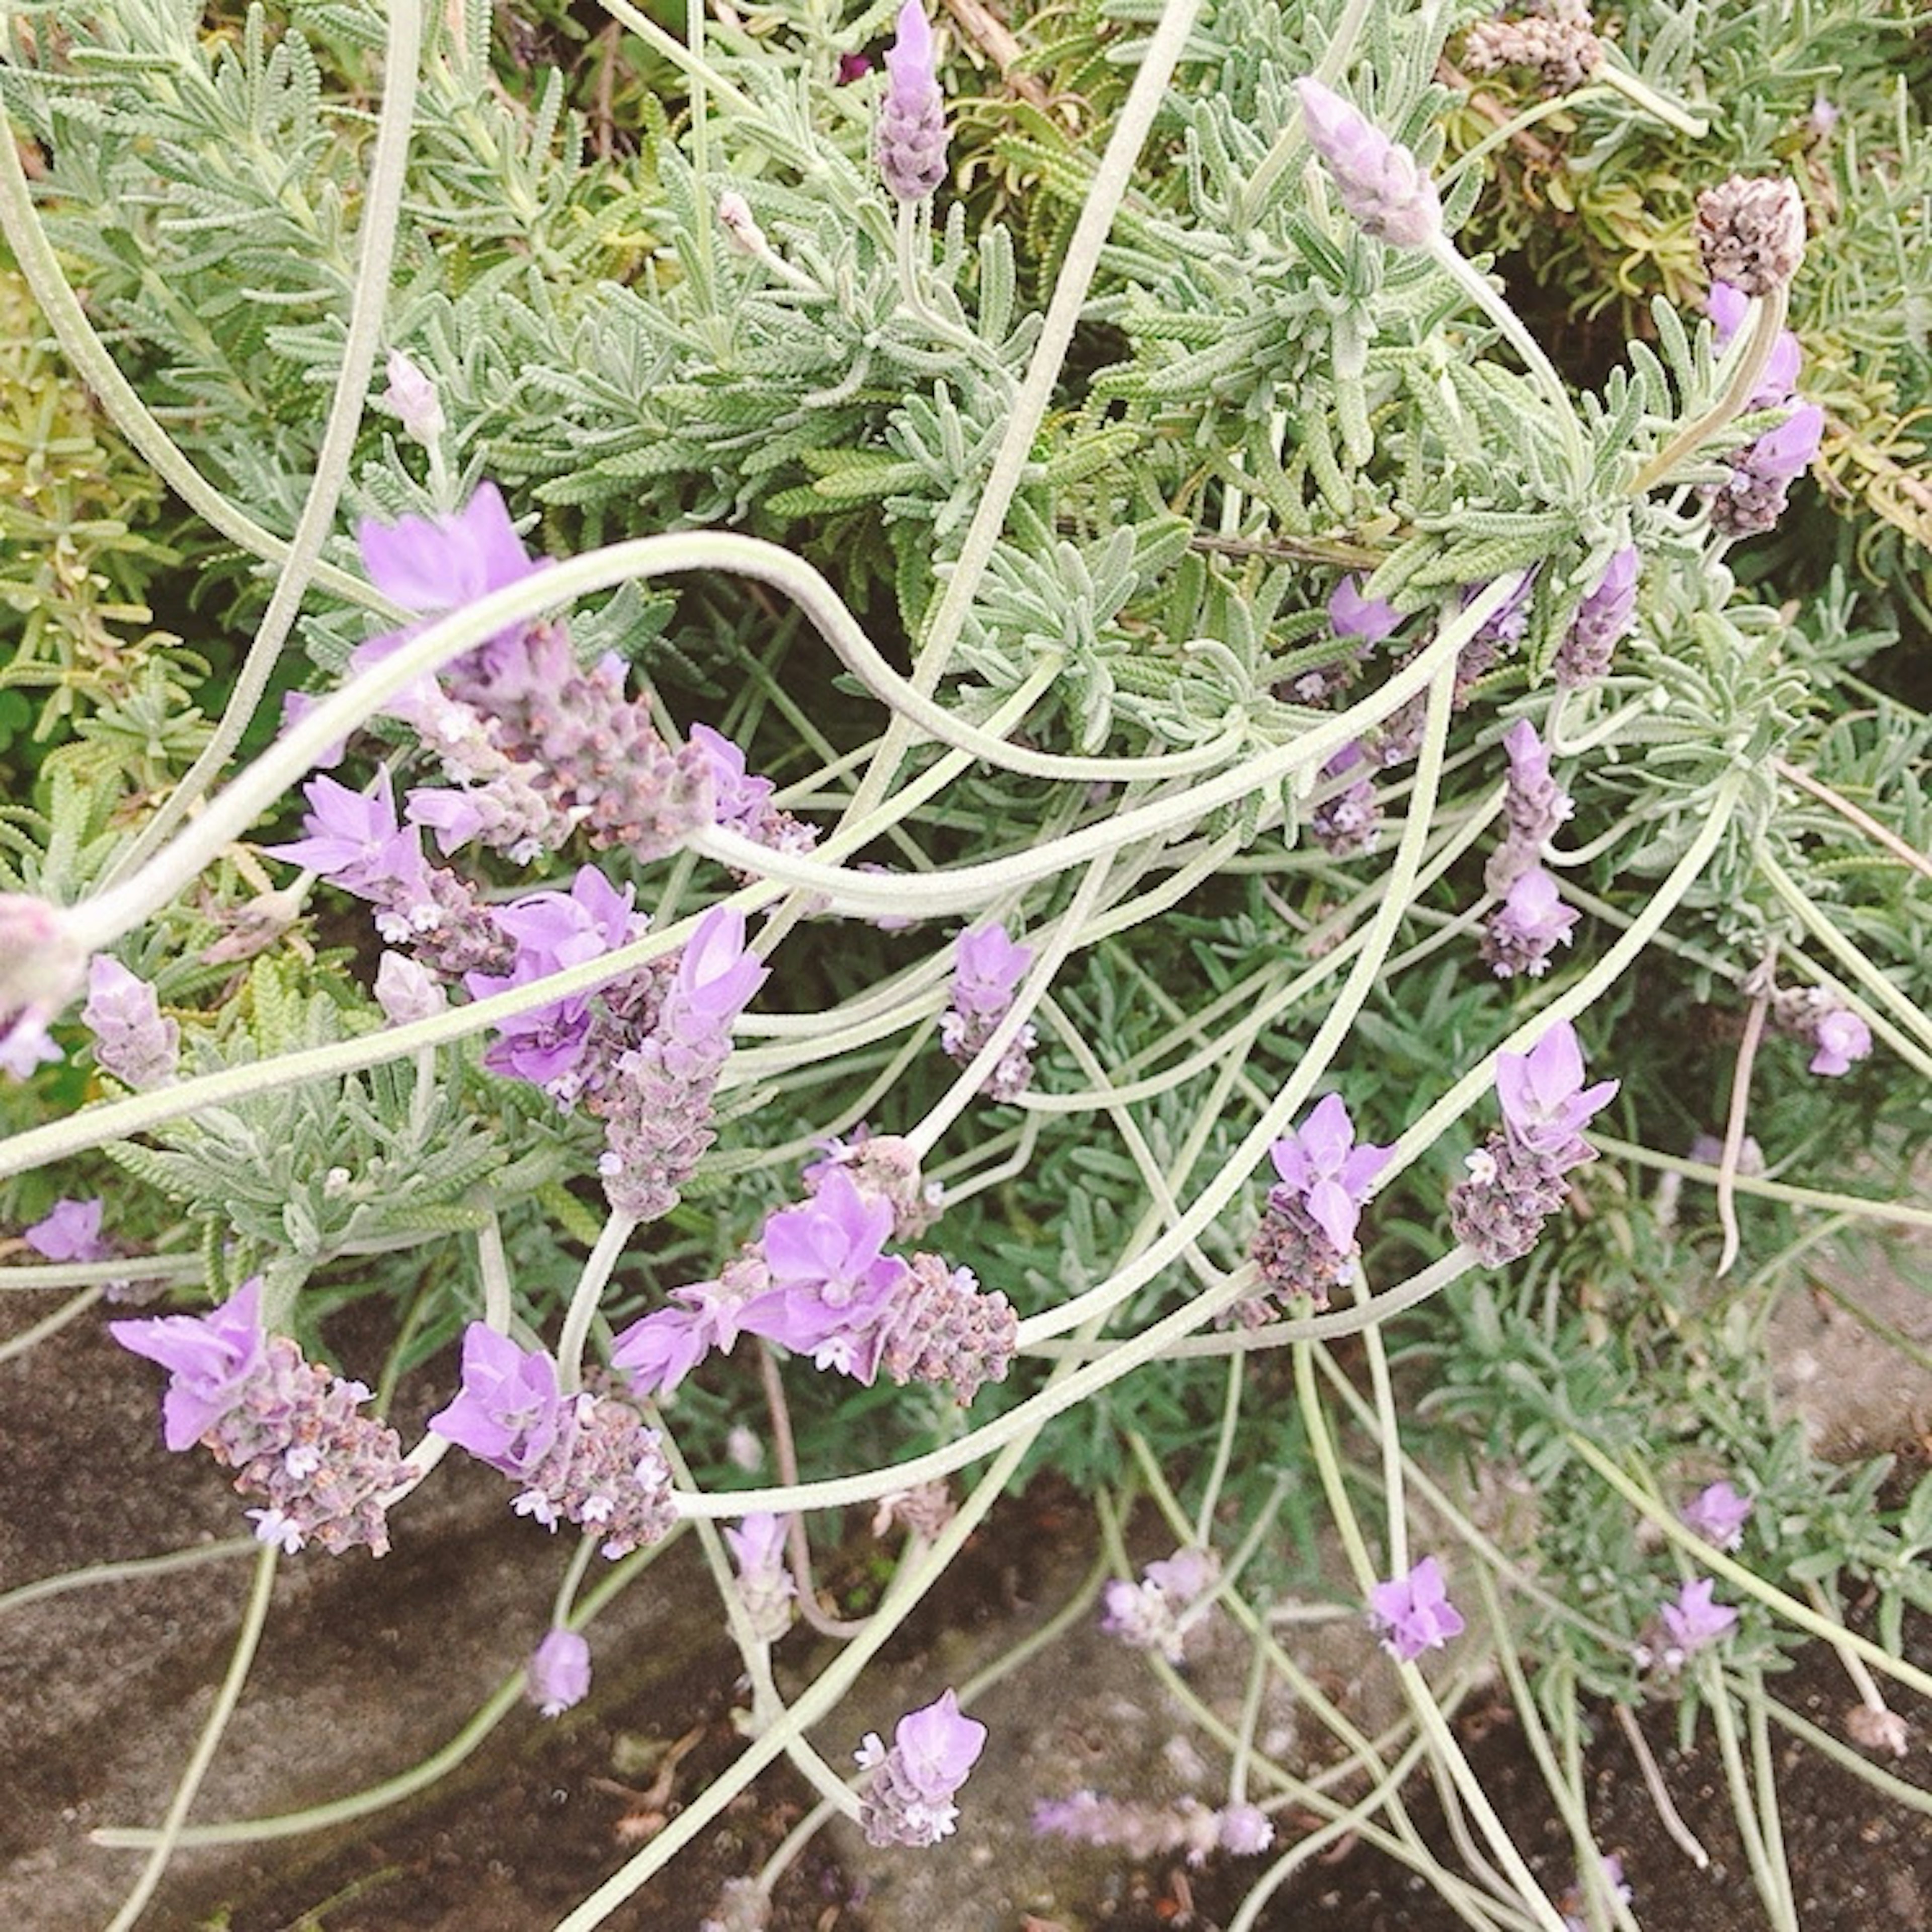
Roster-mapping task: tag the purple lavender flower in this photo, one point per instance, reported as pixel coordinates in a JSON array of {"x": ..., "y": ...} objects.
[
  {"x": 582, "y": 1458},
  {"x": 1413, "y": 1612},
  {"x": 1321, "y": 1166},
  {"x": 288, "y": 1428},
  {"x": 1602, "y": 621},
  {"x": 851, "y": 67},
  {"x": 1718, "y": 1514},
  {"x": 509, "y": 1412},
  {"x": 1543, "y": 1099},
  {"x": 656, "y": 1352},
  {"x": 741, "y": 801},
  {"x": 987, "y": 969},
  {"x": 909, "y": 1800},
  {"x": 657, "y": 1105},
  {"x": 1529, "y": 925},
  {"x": 1571, "y": 1904},
  {"x": 883, "y": 1167},
  {"x": 40, "y": 969},
  {"x": 1693, "y": 1622},
  {"x": 132, "y": 1040},
  {"x": 558, "y": 1674},
  {"x": 765, "y": 1585},
  {"x": 1782, "y": 454},
  {"x": 70, "y": 1232},
  {"x": 1378, "y": 181},
  {"x": 911, "y": 140},
  {"x": 1534, "y": 806},
  {"x": 209, "y": 1359},
  {"x": 431, "y": 565},
  {"x": 1154, "y": 1614},
  {"x": 1348, "y": 822},
  {"x": 831, "y": 1277},
  {"x": 1352, "y": 615},
  {"x": 1840, "y": 1037}
]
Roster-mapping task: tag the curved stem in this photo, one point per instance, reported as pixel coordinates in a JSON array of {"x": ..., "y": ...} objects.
[
  {"x": 589, "y": 1292},
  {"x": 253, "y": 1618},
  {"x": 20, "y": 222},
  {"x": 382, "y": 206}
]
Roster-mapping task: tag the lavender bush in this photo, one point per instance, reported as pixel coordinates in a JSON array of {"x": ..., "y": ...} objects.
[{"x": 766, "y": 817}]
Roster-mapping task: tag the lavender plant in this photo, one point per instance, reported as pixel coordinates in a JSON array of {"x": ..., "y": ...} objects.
[{"x": 729, "y": 616}]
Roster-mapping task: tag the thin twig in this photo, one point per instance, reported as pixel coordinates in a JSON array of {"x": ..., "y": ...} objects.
[
  {"x": 1653, "y": 1780},
  {"x": 1863, "y": 820}
]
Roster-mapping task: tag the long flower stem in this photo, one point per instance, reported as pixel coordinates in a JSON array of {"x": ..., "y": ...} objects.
[
  {"x": 589, "y": 1292},
  {"x": 1731, "y": 404},
  {"x": 382, "y": 206},
  {"x": 255, "y": 1615}
]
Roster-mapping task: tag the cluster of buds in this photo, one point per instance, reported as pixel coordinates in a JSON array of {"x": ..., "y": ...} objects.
[
  {"x": 908, "y": 1800},
  {"x": 1602, "y": 620},
  {"x": 1559, "y": 47},
  {"x": 1838, "y": 1037},
  {"x": 1380, "y": 182},
  {"x": 1348, "y": 821},
  {"x": 133, "y": 1040}
]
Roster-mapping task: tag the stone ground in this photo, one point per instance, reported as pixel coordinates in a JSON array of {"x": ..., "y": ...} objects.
[{"x": 368, "y": 1666}]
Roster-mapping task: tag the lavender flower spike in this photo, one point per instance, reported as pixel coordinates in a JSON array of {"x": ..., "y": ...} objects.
[
  {"x": 1529, "y": 925},
  {"x": 910, "y": 138},
  {"x": 987, "y": 970},
  {"x": 910, "y": 1799},
  {"x": 765, "y": 1586},
  {"x": 1414, "y": 1612},
  {"x": 1602, "y": 621},
  {"x": 1379, "y": 182},
  {"x": 508, "y": 1410},
  {"x": 132, "y": 1040},
  {"x": 558, "y": 1674}
]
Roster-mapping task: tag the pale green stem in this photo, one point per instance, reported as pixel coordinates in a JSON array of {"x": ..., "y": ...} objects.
[
  {"x": 134, "y": 1570},
  {"x": 589, "y": 1292},
  {"x": 1490, "y": 300},
  {"x": 1734, "y": 1126},
  {"x": 254, "y": 1616},
  {"x": 1224, "y": 1449},
  {"x": 1743, "y": 1810},
  {"x": 572, "y": 1582},
  {"x": 1390, "y": 1430},
  {"x": 696, "y": 69},
  {"x": 1075, "y": 277},
  {"x": 171, "y": 1268},
  {"x": 1733, "y": 402},
  {"x": 50, "y": 1324},
  {"x": 1769, "y": 1812},
  {"x": 382, "y": 204},
  {"x": 1863, "y": 1682},
  {"x": 1855, "y": 1205},
  {"x": 700, "y": 156},
  {"x": 21, "y": 223},
  {"x": 1611, "y": 73},
  {"x": 1715, "y": 1560}
]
